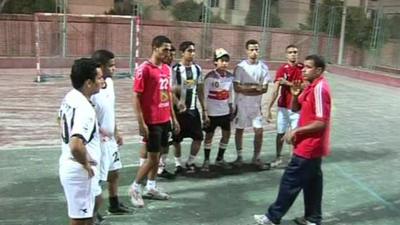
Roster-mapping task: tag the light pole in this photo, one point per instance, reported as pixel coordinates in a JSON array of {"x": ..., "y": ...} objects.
[{"x": 342, "y": 31}]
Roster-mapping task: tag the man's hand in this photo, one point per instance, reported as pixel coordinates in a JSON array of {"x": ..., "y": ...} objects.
[
  {"x": 176, "y": 127},
  {"x": 296, "y": 88},
  {"x": 206, "y": 120},
  {"x": 89, "y": 169},
  {"x": 290, "y": 136},
  {"x": 269, "y": 116},
  {"x": 143, "y": 130},
  {"x": 119, "y": 139},
  {"x": 181, "y": 107}
]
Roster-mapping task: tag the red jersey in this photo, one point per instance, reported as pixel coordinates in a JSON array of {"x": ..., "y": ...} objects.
[
  {"x": 153, "y": 82},
  {"x": 315, "y": 104},
  {"x": 289, "y": 73}
]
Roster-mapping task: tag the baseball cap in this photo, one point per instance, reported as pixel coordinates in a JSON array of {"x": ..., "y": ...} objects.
[{"x": 219, "y": 53}]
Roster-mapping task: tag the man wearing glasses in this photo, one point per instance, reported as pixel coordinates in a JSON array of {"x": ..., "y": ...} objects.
[
  {"x": 250, "y": 83},
  {"x": 286, "y": 118}
]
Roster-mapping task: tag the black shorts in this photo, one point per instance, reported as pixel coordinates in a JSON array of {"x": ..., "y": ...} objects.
[
  {"x": 158, "y": 136},
  {"x": 218, "y": 121},
  {"x": 190, "y": 124}
]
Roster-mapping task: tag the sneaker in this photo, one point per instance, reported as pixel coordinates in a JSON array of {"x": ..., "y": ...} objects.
[
  {"x": 98, "y": 219},
  {"x": 263, "y": 220},
  {"x": 238, "y": 162},
  {"x": 206, "y": 166},
  {"x": 156, "y": 194},
  {"x": 223, "y": 164},
  {"x": 191, "y": 168},
  {"x": 119, "y": 210},
  {"x": 179, "y": 170},
  {"x": 167, "y": 175},
  {"x": 136, "y": 197},
  {"x": 260, "y": 165},
  {"x": 303, "y": 221},
  {"x": 276, "y": 163}
]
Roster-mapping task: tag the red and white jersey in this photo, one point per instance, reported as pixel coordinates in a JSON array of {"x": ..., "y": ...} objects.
[
  {"x": 316, "y": 104},
  {"x": 104, "y": 103},
  {"x": 289, "y": 73},
  {"x": 251, "y": 74},
  {"x": 78, "y": 118},
  {"x": 218, "y": 91},
  {"x": 153, "y": 83}
]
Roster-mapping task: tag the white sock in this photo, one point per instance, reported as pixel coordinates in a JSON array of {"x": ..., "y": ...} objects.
[
  {"x": 178, "y": 161},
  {"x": 191, "y": 159},
  {"x": 135, "y": 185},
  {"x": 151, "y": 184},
  {"x": 163, "y": 159},
  {"x": 142, "y": 161}
]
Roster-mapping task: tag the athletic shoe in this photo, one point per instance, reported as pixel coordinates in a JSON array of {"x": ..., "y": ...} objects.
[
  {"x": 223, "y": 164},
  {"x": 260, "y": 165},
  {"x": 263, "y": 220},
  {"x": 179, "y": 170},
  {"x": 276, "y": 163},
  {"x": 167, "y": 175},
  {"x": 136, "y": 197},
  {"x": 156, "y": 194},
  {"x": 206, "y": 166},
  {"x": 191, "y": 168},
  {"x": 302, "y": 221},
  {"x": 119, "y": 210},
  {"x": 238, "y": 162}
]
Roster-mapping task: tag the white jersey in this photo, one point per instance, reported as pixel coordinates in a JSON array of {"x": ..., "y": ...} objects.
[
  {"x": 251, "y": 74},
  {"x": 218, "y": 92},
  {"x": 78, "y": 118},
  {"x": 104, "y": 103}
]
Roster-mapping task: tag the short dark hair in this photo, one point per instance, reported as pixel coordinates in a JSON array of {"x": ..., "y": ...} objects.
[
  {"x": 102, "y": 56},
  {"x": 159, "y": 40},
  {"x": 185, "y": 45},
  {"x": 251, "y": 42},
  {"x": 318, "y": 61},
  {"x": 83, "y": 69},
  {"x": 290, "y": 46}
]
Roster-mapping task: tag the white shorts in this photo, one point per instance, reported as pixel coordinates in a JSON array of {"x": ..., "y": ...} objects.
[
  {"x": 80, "y": 190},
  {"x": 110, "y": 159},
  {"x": 285, "y": 119},
  {"x": 248, "y": 117}
]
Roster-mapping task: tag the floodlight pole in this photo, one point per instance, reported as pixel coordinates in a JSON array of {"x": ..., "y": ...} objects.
[{"x": 342, "y": 31}]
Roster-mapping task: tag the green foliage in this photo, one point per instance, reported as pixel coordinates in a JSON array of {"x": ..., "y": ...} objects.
[
  {"x": 29, "y": 6},
  {"x": 254, "y": 16},
  {"x": 192, "y": 12}
]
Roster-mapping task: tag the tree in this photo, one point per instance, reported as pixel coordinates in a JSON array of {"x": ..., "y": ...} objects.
[
  {"x": 27, "y": 6},
  {"x": 254, "y": 15},
  {"x": 192, "y": 12}
]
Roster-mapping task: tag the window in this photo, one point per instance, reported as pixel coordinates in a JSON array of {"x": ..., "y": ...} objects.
[
  {"x": 214, "y": 3},
  {"x": 231, "y": 4}
]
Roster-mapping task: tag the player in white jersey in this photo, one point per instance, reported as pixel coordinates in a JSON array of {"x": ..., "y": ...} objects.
[
  {"x": 218, "y": 93},
  {"x": 111, "y": 138},
  {"x": 251, "y": 82},
  {"x": 80, "y": 142}
]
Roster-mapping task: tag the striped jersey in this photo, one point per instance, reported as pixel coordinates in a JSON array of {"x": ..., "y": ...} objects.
[
  {"x": 218, "y": 92},
  {"x": 187, "y": 78}
]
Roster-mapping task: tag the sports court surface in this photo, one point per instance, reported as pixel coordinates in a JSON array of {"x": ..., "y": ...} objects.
[{"x": 361, "y": 177}]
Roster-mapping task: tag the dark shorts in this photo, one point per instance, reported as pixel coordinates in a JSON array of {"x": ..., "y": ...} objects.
[
  {"x": 158, "y": 136},
  {"x": 190, "y": 124},
  {"x": 218, "y": 121}
]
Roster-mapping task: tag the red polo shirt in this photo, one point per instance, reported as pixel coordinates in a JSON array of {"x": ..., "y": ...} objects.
[
  {"x": 289, "y": 73},
  {"x": 315, "y": 104},
  {"x": 153, "y": 82}
]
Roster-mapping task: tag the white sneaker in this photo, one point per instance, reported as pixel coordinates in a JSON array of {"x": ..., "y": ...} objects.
[
  {"x": 136, "y": 197},
  {"x": 263, "y": 220},
  {"x": 155, "y": 193}
]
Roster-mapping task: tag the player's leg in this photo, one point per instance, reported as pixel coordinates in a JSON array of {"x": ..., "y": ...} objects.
[
  {"x": 225, "y": 124},
  {"x": 196, "y": 133},
  {"x": 312, "y": 192},
  {"x": 239, "y": 147},
  {"x": 208, "y": 143},
  {"x": 282, "y": 122},
  {"x": 257, "y": 124}
]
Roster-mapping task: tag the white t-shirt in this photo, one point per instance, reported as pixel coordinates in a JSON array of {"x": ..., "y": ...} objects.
[
  {"x": 78, "y": 118},
  {"x": 218, "y": 93},
  {"x": 253, "y": 74},
  {"x": 104, "y": 103}
]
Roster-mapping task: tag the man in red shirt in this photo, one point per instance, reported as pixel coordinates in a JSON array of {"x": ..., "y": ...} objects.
[
  {"x": 286, "y": 118},
  {"x": 311, "y": 143},
  {"x": 152, "y": 102}
]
